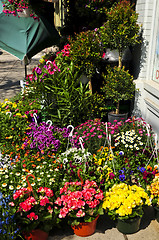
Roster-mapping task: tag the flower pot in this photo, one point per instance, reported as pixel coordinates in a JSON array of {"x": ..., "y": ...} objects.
[
  {"x": 156, "y": 213},
  {"x": 117, "y": 117},
  {"x": 24, "y": 13},
  {"x": 36, "y": 234},
  {"x": 86, "y": 228},
  {"x": 128, "y": 226}
]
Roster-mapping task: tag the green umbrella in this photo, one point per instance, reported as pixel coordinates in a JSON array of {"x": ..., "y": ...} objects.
[{"x": 25, "y": 37}]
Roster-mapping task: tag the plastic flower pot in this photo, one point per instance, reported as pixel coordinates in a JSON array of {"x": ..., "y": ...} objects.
[
  {"x": 36, "y": 234},
  {"x": 117, "y": 117},
  {"x": 156, "y": 213},
  {"x": 86, "y": 228},
  {"x": 128, "y": 226}
]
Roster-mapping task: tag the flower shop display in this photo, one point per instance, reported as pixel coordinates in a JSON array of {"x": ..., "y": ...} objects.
[
  {"x": 79, "y": 202},
  {"x": 125, "y": 202},
  {"x": 33, "y": 208}
]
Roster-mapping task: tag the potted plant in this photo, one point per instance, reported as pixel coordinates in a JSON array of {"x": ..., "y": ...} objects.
[
  {"x": 81, "y": 204},
  {"x": 22, "y": 8},
  {"x": 118, "y": 85},
  {"x": 124, "y": 203},
  {"x": 86, "y": 52},
  {"x": 121, "y": 29},
  {"x": 33, "y": 211}
]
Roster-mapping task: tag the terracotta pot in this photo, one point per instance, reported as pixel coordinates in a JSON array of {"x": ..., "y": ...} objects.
[
  {"x": 86, "y": 228},
  {"x": 36, "y": 234}
]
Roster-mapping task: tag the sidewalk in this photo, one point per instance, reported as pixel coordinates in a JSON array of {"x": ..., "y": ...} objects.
[{"x": 11, "y": 72}]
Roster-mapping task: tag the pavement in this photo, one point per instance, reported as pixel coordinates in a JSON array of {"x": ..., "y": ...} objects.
[{"x": 12, "y": 70}]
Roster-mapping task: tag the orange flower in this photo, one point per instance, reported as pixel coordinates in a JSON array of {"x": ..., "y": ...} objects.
[{"x": 149, "y": 168}]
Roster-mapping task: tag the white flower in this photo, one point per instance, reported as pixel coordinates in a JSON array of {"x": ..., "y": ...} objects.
[
  {"x": 32, "y": 184},
  {"x": 24, "y": 184},
  {"x": 48, "y": 175},
  {"x": 38, "y": 179},
  {"x": 131, "y": 146},
  {"x": 44, "y": 162},
  {"x": 17, "y": 174},
  {"x": 6, "y": 176},
  {"x": 41, "y": 173},
  {"x": 141, "y": 143},
  {"x": 18, "y": 187},
  {"x": 11, "y": 187},
  {"x": 4, "y": 184},
  {"x": 126, "y": 145}
]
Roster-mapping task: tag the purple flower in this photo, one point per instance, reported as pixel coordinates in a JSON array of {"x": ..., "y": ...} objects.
[
  {"x": 38, "y": 70},
  {"x": 122, "y": 177}
]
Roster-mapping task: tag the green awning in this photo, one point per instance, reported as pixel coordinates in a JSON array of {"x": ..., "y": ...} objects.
[{"x": 26, "y": 36}]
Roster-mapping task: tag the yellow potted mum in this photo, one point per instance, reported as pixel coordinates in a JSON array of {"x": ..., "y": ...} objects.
[{"x": 124, "y": 203}]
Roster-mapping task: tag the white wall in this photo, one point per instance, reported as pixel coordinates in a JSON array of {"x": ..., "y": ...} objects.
[{"x": 146, "y": 63}]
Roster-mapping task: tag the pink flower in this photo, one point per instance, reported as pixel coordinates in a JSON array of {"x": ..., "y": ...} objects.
[
  {"x": 80, "y": 213},
  {"x": 27, "y": 204},
  {"x": 44, "y": 201},
  {"x": 99, "y": 196},
  {"x": 58, "y": 201},
  {"x": 100, "y": 136},
  {"x": 32, "y": 216},
  {"x": 63, "y": 212},
  {"x": 11, "y": 204}
]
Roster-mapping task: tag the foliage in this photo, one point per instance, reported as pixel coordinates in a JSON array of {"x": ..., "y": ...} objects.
[
  {"x": 14, "y": 118},
  {"x": 86, "y": 51},
  {"x": 118, "y": 85},
  {"x": 64, "y": 99},
  {"x": 33, "y": 209},
  {"x": 121, "y": 30},
  {"x": 80, "y": 15},
  {"x": 79, "y": 202},
  {"x": 124, "y": 201}
]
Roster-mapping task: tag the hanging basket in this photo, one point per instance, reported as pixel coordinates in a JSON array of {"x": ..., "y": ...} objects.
[
  {"x": 36, "y": 234},
  {"x": 128, "y": 226},
  {"x": 85, "y": 229}
]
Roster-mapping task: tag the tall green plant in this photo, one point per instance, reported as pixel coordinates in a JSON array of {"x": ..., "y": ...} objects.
[
  {"x": 69, "y": 99},
  {"x": 121, "y": 29},
  {"x": 118, "y": 85}
]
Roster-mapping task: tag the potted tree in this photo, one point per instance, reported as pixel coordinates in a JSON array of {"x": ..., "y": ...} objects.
[
  {"x": 118, "y": 85},
  {"x": 121, "y": 29}
]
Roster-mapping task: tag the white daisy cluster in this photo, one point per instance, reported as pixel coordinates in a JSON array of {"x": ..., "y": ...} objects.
[
  {"x": 77, "y": 155},
  {"x": 128, "y": 139}
]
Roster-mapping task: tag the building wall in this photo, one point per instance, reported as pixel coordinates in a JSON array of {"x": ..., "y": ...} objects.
[{"x": 146, "y": 63}]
